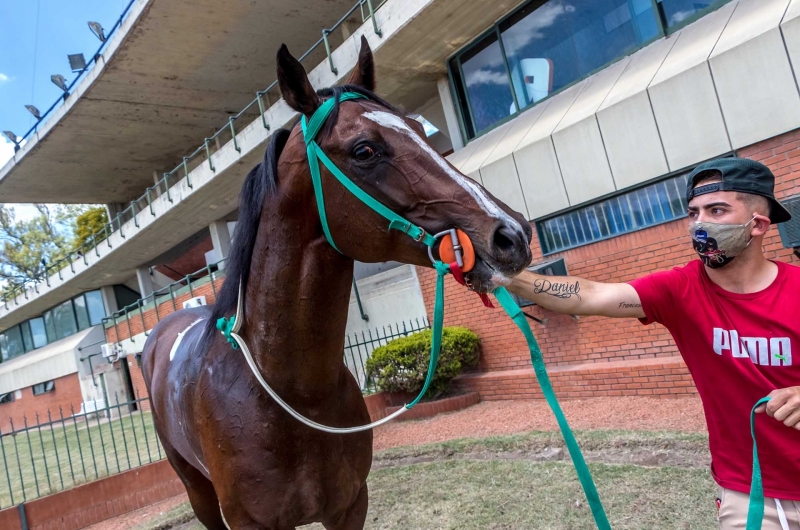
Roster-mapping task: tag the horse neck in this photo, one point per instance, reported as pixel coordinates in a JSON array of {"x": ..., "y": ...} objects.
[{"x": 297, "y": 299}]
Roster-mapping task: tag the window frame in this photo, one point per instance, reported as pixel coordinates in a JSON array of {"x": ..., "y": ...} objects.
[
  {"x": 7, "y": 397},
  {"x": 45, "y": 387},
  {"x": 663, "y": 31},
  {"x": 619, "y": 194}
]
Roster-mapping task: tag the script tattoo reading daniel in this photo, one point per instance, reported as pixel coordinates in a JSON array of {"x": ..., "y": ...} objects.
[{"x": 557, "y": 289}]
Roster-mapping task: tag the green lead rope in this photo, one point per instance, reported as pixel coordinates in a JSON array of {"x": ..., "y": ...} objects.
[
  {"x": 755, "y": 513},
  {"x": 584, "y": 475}
]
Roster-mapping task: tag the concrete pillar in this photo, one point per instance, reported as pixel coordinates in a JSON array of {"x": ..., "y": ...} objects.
[
  {"x": 109, "y": 299},
  {"x": 221, "y": 239},
  {"x": 450, "y": 113},
  {"x": 112, "y": 209},
  {"x": 146, "y": 286},
  {"x": 349, "y": 27}
]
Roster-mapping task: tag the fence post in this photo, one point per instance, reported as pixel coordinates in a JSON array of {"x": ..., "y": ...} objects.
[
  {"x": 5, "y": 467},
  {"x": 23, "y": 520}
]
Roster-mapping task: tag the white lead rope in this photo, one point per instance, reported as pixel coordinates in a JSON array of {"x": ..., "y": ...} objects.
[{"x": 237, "y": 324}]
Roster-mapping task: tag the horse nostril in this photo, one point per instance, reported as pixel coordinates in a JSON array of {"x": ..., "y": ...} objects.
[{"x": 504, "y": 239}]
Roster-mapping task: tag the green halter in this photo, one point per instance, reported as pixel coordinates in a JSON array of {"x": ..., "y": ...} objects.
[{"x": 315, "y": 155}]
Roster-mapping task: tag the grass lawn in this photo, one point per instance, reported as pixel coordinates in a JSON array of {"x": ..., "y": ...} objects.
[
  {"x": 37, "y": 462},
  {"x": 504, "y": 483}
]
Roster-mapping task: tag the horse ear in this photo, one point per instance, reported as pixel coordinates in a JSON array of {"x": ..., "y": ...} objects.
[
  {"x": 364, "y": 71},
  {"x": 295, "y": 86}
]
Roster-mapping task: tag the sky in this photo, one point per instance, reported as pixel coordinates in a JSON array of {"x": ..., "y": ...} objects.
[{"x": 35, "y": 38}]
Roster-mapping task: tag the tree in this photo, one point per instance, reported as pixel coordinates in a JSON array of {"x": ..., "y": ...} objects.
[
  {"x": 89, "y": 223},
  {"x": 28, "y": 247}
]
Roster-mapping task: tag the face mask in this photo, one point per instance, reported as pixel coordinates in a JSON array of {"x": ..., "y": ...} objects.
[{"x": 717, "y": 244}]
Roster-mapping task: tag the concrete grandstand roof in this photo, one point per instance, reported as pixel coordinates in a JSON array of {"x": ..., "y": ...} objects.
[{"x": 171, "y": 75}]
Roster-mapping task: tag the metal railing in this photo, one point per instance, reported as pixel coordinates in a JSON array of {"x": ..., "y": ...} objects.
[
  {"x": 358, "y": 347},
  {"x": 168, "y": 294},
  {"x": 65, "y": 451},
  {"x": 209, "y": 146}
]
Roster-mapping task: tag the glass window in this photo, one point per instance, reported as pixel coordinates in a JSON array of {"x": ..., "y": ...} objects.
[
  {"x": 673, "y": 12},
  {"x": 38, "y": 332},
  {"x": 486, "y": 79},
  {"x": 7, "y": 398},
  {"x": 43, "y": 388},
  {"x": 81, "y": 312},
  {"x": 64, "y": 320},
  {"x": 97, "y": 310},
  {"x": 544, "y": 47},
  {"x": 27, "y": 339},
  {"x": 13, "y": 343},
  {"x": 50, "y": 326},
  {"x": 634, "y": 210}
]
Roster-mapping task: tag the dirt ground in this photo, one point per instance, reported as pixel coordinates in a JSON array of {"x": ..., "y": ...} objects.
[{"x": 395, "y": 442}]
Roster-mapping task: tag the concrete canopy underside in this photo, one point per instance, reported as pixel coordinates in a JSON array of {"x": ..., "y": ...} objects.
[
  {"x": 410, "y": 49},
  {"x": 180, "y": 68}
]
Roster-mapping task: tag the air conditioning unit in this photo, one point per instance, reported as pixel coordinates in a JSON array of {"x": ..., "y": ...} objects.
[
  {"x": 197, "y": 301},
  {"x": 111, "y": 351}
]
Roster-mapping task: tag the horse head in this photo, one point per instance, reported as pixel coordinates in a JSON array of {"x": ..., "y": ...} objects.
[{"x": 386, "y": 154}]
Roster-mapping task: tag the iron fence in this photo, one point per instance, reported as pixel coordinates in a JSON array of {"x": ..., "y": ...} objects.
[
  {"x": 358, "y": 347},
  {"x": 73, "y": 448},
  {"x": 40, "y": 456},
  {"x": 264, "y": 99}
]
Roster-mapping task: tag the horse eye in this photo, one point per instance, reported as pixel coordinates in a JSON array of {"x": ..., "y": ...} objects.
[{"x": 363, "y": 153}]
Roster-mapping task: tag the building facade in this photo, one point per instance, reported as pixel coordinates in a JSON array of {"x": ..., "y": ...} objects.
[{"x": 584, "y": 116}]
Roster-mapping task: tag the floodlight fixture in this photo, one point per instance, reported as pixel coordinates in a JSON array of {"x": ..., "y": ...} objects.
[
  {"x": 59, "y": 81},
  {"x": 98, "y": 31},
  {"x": 13, "y": 137},
  {"x": 33, "y": 110},
  {"x": 77, "y": 62}
]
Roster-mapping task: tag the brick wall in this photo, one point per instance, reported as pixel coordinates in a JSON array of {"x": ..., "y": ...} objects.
[
  {"x": 593, "y": 356},
  {"x": 99, "y": 500},
  {"x": 67, "y": 393},
  {"x": 191, "y": 261},
  {"x": 137, "y": 322}
]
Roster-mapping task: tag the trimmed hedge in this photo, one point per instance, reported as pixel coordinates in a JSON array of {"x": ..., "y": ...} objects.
[{"x": 402, "y": 364}]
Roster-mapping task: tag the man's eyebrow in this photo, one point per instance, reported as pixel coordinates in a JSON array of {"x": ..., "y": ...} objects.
[{"x": 713, "y": 204}]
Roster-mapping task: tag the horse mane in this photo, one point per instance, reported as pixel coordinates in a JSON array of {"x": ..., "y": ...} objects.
[{"x": 260, "y": 183}]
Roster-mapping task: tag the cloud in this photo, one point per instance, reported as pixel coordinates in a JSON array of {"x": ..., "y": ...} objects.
[
  {"x": 6, "y": 151},
  {"x": 530, "y": 28},
  {"x": 4, "y": 78},
  {"x": 486, "y": 77},
  {"x": 680, "y": 16}
]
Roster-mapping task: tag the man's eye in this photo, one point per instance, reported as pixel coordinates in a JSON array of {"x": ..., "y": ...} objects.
[{"x": 363, "y": 153}]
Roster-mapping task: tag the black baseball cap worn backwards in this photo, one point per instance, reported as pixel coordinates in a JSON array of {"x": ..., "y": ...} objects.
[{"x": 742, "y": 175}]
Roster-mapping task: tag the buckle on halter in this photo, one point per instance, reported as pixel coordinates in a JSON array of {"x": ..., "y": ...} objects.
[{"x": 421, "y": 236}]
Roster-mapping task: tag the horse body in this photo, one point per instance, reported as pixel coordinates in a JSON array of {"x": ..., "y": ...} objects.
[{"x": 243, "y": 459}]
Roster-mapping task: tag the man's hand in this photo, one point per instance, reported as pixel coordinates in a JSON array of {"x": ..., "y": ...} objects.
[{"x": 784, "y": 406}]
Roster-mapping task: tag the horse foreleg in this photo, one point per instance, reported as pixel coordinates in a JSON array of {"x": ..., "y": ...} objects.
[
  {"x": 354, "y": 517},
  {"x": 201, "y": 492}
]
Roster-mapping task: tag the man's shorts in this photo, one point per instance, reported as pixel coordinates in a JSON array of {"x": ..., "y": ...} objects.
[{"x": 778, "y": 515}]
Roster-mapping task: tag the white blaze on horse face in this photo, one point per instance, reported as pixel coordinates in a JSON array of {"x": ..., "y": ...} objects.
[
  {"x": 179, "y": 338},
  {"x": 391, "y": 121}
]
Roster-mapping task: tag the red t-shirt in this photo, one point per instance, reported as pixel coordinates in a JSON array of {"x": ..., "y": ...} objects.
[{"x": 738, "y": 348}]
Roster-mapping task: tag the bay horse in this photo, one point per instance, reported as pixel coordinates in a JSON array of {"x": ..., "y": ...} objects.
[{"x": 245, "y": 462}]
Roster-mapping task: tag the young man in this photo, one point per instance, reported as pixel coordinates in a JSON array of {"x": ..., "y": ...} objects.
[{"x": 735, "y": 317}]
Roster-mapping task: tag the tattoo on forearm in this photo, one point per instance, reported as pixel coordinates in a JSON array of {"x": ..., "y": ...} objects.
[
  {"x": 557, "y": 289},
  {"x": 624, "y": 305}
]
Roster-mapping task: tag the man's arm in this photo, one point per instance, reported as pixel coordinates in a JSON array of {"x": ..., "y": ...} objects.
[{"x": 576, "y": 296}]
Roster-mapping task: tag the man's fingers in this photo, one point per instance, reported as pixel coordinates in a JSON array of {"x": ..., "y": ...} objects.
[
  {"x": 793, "y": 419},
  {"x": 779, "y": 399}
]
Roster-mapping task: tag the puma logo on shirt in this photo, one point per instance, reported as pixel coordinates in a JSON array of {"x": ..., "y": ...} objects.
[{"x": 776, "y": 351}]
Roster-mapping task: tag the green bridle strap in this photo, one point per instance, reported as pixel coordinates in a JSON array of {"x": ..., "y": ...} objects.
[
  {"x": 316, "y": 155},
  {"x": 584, "y": 475},
  {"x": 755, "y": 513}
]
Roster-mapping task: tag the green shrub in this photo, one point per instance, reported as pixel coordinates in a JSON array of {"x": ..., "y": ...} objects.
[{"x": 402, "y": 364}]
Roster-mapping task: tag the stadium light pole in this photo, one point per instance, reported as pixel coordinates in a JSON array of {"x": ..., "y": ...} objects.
[
  {"x": 13, "y": 137},
  {"x": 97, "y": 30},
  {"x": 33, "y": 110},
  {"x": 59, "y": 81}
]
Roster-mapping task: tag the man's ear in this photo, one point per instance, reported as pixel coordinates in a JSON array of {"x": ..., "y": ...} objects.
[
  {"x": 364, "y": 72},
  {"x": 294, "y": 84}
]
